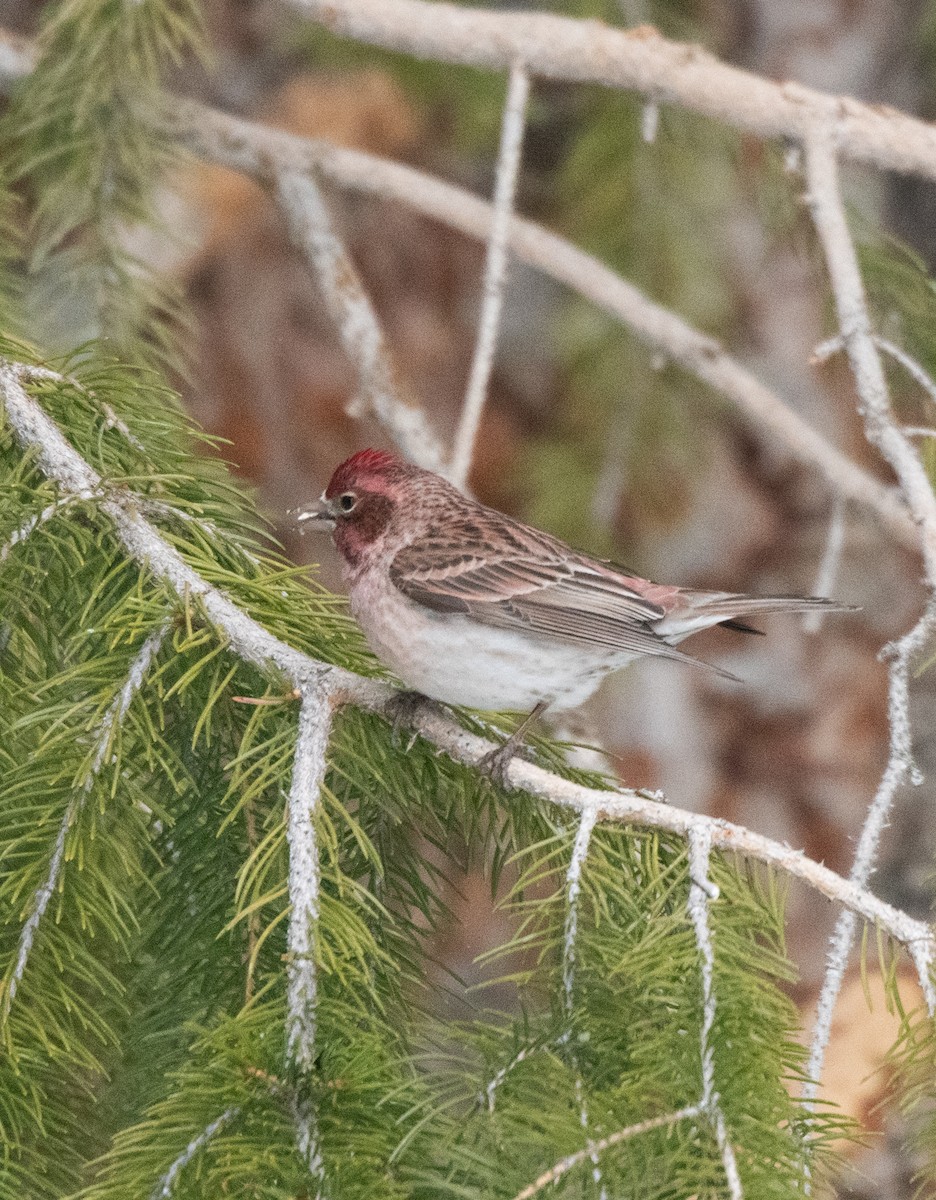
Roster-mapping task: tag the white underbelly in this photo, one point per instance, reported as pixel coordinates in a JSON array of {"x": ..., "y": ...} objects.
[{"x": 452, "y": 658}]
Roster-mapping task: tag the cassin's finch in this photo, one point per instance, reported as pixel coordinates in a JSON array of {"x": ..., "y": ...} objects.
[{"x": 469, "y": 606}]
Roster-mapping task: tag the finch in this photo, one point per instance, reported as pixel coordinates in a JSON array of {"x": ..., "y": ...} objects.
[{"x": 468, "y": 606}]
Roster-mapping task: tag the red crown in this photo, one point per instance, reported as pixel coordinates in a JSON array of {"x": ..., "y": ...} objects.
[
  {"x": 363, "y": 464},
  {"x": 372, "y": 460}
]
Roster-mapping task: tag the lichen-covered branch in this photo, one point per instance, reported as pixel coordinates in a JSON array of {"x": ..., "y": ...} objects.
[
  {"x": 821, "y": 146},
  {"x": 638, "y": 60}
]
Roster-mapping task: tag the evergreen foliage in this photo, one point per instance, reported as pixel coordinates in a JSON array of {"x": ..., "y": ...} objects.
[
  {"x": 151, "y": 1006},
  {"x": 143, "y": 851}
]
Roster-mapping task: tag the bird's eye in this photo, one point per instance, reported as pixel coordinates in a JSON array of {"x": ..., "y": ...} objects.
[{"x": 347, "y": 501}]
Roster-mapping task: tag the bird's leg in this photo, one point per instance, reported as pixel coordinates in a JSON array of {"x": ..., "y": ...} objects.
[{"x": 497, "y": 761}]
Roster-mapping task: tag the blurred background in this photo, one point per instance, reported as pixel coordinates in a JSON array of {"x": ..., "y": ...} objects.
[{"x": 585, "y": 433}]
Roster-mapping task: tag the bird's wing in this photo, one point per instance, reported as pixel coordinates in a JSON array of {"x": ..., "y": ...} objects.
[{"x": 511, "y": 576}]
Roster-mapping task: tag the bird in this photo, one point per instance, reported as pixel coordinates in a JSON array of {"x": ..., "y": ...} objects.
[{"x": 471, "y": 607}]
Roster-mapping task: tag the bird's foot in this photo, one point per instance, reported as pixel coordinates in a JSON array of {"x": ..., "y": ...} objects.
[
  {"x": 401, "y": 710},
  {"x": 497, "y": 762}
]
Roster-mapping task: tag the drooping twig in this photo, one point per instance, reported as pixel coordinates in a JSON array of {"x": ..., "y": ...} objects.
[
  {"x": 910, "y": 365},
  {"x": 564, "y": 1165},
  {"x": 382, "y": 392},
  {"x": 577, "y": 859},
  {"x": 32, "y": 523},
  {"x": 167, "y": 1183},
  {"x": 304, "y": 887},
  {"x": 701, "y": 891},
  {"x": 112, "y": 719},
  {"x": 900, "y": 768},
  {"x": 825, "y": 202},
  {"x": 495, "y": 272},
  {"x": 59, "y": 461}
]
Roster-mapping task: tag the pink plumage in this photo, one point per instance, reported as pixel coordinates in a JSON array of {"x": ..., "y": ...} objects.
[{"x": 469, "y": 606}]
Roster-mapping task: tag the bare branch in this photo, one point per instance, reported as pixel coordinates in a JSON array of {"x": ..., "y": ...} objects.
[
  {"x": 382, "y": 393},
  {"x": 251, "y": 149},
  {"x": 828, "y": 213},
  {"x": 577, "y": 859},
  {"x": 900, "y": 768},
  {"x": 638, "y": 60},
  {"x": 564, "y": 1165},
  {"x": 495, "y": 272},
  {"x": 304, "y": 887},
  {"x": 255, "y": 644},
  {"x": 304, "y": 876}
]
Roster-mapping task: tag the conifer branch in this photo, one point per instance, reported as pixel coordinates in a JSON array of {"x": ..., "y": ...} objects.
[
  {"x": 60, "y": 462},
  {"x": 166, "y": 1185},
  {"x": 701, "y": 891},
  {"x": 564, "y": 1165},
  {"x": 495, "y": 272},
  {"x": 304, "y": 886},
  {"x": 382, "y": 392},
  {"x": 583, "y": 835},
  {"x": 112, "y": 719},
  {"x": 821, "y": 147},
  {"x": 32, "y": 523}
]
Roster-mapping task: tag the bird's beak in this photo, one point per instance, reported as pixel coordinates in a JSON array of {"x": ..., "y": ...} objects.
[{"x": 320, "y": 515}]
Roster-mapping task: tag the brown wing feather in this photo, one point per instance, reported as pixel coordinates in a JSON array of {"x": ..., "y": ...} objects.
[{"x": 507, "y": 575}]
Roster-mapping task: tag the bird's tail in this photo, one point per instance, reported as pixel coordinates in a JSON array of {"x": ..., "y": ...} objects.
[{"x": 699, "y": 610}]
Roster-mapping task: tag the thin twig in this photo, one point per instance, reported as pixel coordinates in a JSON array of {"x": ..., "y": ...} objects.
[
  {"x": 701, "y": 891},
  {"x": 564, "y": 1165},
  {"x": 828, "y": 212},
  {"x": 32, "y": 523},
  {"x": 900, "y": 768},
  {"x": 910, "y": 365},
  {"x": 112, "y": 719},
  {"x": 254, "y": 644},
  {"x": 381, "y": 391},
  {"x": 829, "y": 566},
  {"x": 495, "y": 272},
  {"x": 168, "y": 1181}
]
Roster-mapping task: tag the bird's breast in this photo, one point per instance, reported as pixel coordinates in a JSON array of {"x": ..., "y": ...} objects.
[{"x": 457, "y": 659}]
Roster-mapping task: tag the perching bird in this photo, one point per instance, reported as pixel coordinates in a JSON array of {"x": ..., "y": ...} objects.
[{"x": 469, "y": 606}]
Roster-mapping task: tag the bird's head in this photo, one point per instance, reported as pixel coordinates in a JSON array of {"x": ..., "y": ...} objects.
[{"x": 361, "y": 498}]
